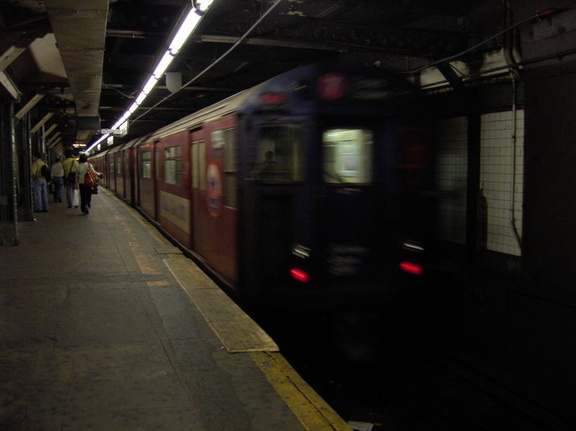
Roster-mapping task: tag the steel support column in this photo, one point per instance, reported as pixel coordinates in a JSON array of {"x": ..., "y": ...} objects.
[{"x": 8, "y": 178}]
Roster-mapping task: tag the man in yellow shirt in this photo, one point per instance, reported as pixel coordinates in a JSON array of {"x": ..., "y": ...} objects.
[{"x": 39, "y": 185}]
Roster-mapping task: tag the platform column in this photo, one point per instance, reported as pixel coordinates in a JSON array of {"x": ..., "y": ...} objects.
[{"x": 8, "y": 178}]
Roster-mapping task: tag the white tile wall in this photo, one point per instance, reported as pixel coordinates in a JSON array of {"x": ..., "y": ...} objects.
[{"x": 501, "y": 178}]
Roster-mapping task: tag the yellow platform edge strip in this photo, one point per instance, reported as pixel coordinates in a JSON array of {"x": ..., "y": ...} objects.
[
  {"x": 236, "y": 330},
  {"x": 310, "y": 409}
]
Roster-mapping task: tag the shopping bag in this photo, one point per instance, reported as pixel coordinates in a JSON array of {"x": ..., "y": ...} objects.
[{"x": 76, "y": 198}]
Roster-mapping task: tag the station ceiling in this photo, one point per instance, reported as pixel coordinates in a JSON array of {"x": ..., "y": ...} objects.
[{"x": 87, "y": 59}]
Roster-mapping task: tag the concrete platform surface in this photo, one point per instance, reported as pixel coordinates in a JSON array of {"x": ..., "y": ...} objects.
[{"x": 104, "y": 325}]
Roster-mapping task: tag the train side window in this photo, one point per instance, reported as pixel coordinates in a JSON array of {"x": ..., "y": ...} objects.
[
  {"x": 146, "y": 168},
  {"x": 119, "y": 164},
  {"x": 173, "y": 165},
  {"x": 230, "y": 174},
  {"x": 279, "y": 157},
  {"x": 198, "y": 165},
  {"x": 347, "y": 156}
]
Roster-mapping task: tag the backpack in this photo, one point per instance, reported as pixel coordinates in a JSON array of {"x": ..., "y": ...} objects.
[{"x": 45, "y": 172}]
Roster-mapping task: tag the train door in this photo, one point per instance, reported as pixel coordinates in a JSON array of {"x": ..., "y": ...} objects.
[
  {"x": 349, "y": 221},
  {"x": 156, "y": 178},
  {"x": 273, "y": 175},
  {"x": 198, "y": 192},
  {"x": 146, "y": 179},
  {"x": 120, "y": 179},
  {"x": 373, "y": 211},
  {"x": 214, "y": 189}
]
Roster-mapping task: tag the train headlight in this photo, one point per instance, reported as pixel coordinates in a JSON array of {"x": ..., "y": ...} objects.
[
  {"x": 412, "y": 246},
  {"x": 298, "y": 272},
  {"x": 300, "y": 251},
  {"x": 411, "y": 262}
]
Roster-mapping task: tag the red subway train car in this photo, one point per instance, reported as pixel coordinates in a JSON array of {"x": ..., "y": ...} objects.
[{"x": 315, "y": 187}]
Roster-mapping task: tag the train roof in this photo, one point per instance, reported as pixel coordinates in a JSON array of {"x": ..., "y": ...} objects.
[
  {"x": 246, "y": 100},
  {"x": 189, "y": 122}
]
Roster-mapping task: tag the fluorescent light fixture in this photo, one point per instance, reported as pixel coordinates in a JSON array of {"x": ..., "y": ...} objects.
[
  {"x": 9, "y": 86},
  {"x": 140, "y": 98},
  {"x": 31, "y": 103},
  {"x": 133, "y": 108},
  {"x": 100, "y": 139},
  {"x": 42, "y": 122},
  {"x": 163, "y": 64},
  {"x": 122, "y": 120},
  {"x": 184, "y": 31},
  {"x": 149, "y": 85}
]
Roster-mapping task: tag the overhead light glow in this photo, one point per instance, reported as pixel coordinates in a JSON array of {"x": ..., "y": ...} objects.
[
  {"x": 140, "y": 98},
  {"x": 122, "y": 120},
  {"x": 133, "y": 107},
  {"x": 149, "y": 85},
  {"x": 163, "y": 64},
  {"x": 184, "y": 32}
]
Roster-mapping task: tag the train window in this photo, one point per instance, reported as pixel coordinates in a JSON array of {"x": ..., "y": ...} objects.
[
  {"x": 347, "y": 156},
  {"x": 230, "y": 175},
  {"x": 279, "y": 156},
  {"x": 119, "y": 164},
  {"x": 198, "y": 165},
  {"x": 173, "y": 165},
  {"x": 146, "y": 168}
]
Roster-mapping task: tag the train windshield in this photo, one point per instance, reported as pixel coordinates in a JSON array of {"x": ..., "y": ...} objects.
[
  {"x": 279, "y": 157},
  {"x": 347, "y": 156}
]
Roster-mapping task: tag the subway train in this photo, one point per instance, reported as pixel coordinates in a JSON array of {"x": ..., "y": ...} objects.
[{"x": 314, "y": 188}]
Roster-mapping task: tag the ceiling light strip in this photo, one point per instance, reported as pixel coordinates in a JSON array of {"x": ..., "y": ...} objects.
[{"x": 186, "y": 28}]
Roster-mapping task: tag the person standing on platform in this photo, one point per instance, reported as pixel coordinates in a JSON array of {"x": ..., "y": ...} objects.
[
  {"x": 57, "y": 172},
  {"x": 85, "y": 191},
  {"x": 70, "y": 165},
  {"x": 39, "y": 186}
]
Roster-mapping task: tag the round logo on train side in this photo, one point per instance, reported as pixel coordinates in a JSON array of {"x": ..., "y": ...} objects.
[
  {"x": 214, "y": 190},
  {"x": 332, "y": 86}
]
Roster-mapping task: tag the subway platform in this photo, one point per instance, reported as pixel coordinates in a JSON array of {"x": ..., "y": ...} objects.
[{"x": 105, "y": 325}]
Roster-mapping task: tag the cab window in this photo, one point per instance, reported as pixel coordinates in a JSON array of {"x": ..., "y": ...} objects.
[
  {"x": 279, "y": 154},
  {"x": 347, "y": 157}
]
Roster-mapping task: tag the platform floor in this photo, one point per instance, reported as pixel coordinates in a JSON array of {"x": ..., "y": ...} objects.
[{"x": 104, "y": 325}]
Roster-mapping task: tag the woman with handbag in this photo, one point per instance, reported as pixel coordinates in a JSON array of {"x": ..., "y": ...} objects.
[{"x": 87, "y": 178}]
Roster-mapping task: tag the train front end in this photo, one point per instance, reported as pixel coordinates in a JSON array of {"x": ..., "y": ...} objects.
[{"x": 345, "y": 212}]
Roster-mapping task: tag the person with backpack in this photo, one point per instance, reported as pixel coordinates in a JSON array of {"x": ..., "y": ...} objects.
[{"x": 39, "y": 183}]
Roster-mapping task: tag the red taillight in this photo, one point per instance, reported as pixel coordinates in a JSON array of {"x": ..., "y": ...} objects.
[
  {"x": 300, "y": 275},
  {"x": 412, "y": 268}
]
